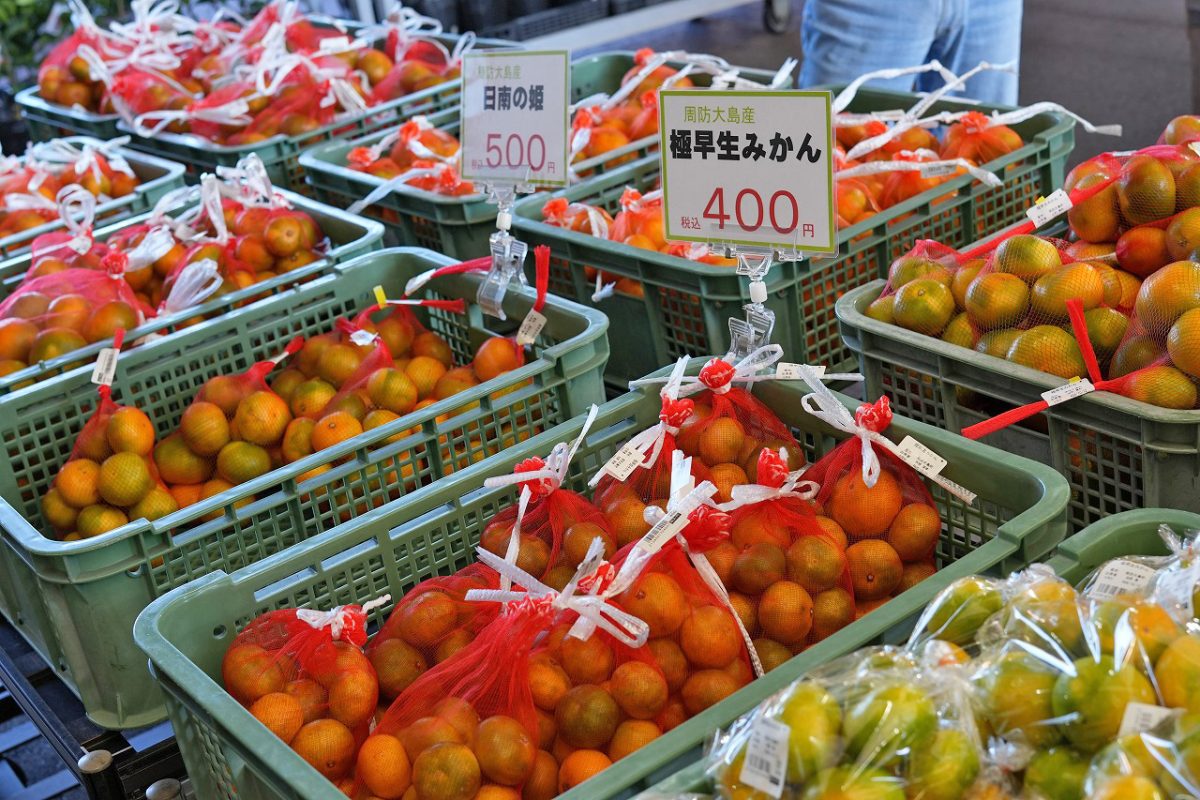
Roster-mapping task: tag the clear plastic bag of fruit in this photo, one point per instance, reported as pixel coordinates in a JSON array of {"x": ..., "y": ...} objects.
[
  {"x": 303, "y": 674},
  {"x": 872, "y": 490},
  {"x": 881, "y": 722},
  {"x": 233, "y": 431}
]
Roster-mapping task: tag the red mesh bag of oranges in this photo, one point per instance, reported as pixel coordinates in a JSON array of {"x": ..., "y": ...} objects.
[
  {"x": 65, "y": 76},
  {"x": 60, "y": 312},
  {"x": 419, "y": 63},
  {"x": 416, "y": 154},
  {"x": 110, "y": 477},
  {"x": 783, "y": 552},
  {"x": 96, "y": 165},
  {"x": 878, "y": 500},
  {"x": 303, "y": 674},
  {"x": 548, "y": 531},
  {"x": 232, "y": 432}
]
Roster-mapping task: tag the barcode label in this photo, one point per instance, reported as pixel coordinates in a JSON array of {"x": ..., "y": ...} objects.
[
  {"x": 624, "y": 462},
  {"x": 1057, "y": 204},
  {"x": 938, "y": 170},
  {"x": 920, "y": 457},
  {"x": 1120, "y": 577},
  {"x": 530, "y": 328},
  {"x": 1142, "y": 717},
  {"x": 766, "y": 757},
  {"x": 792, "y": 372},
  {"x": 1068, "y": 391},
  {"x": 663, "y": 531},
  {"x": 106, "y": 366},
  {"x": 1175, "y": 587}
]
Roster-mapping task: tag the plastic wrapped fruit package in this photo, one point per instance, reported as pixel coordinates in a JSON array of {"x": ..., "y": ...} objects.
[
  {"x": 879, "y": 723},
  {"x": 873, "y": 492},
  {"x": 303, "y": 674},
  {"x": 109, "y": 478},
  {"x": 232, "y": 432},
  {"x": 783, "y": 553}
]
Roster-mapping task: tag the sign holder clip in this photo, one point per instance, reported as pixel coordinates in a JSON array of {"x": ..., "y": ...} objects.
[
  {"x": 754, "y": 330},
  {"x": 508, "y": 252}
]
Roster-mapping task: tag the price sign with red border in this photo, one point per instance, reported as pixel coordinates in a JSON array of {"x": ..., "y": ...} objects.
[
  {"x": 749, "y": 168},
  {"x": 515, "y": 117}
]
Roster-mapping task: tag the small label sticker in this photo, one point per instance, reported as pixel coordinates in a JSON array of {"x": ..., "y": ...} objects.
[
  {"x": 938, "y": 169},
  {"x": 530, "y": 328},
  {"x": 1174, "y": 589},
  {"x": 1142, "y": 717},
  {"x": 791, "y": 372},
  {"x": 106, "y": 366},
  {"x": 920, "y": 457},
  {"x": 335, "y": 44},
  {"x": 1121, "y": 577},
  {"x": 1068, "y": 391},
  {"x": 624, "y": 462},
  {"x": 1045, "y": 211},
  {"x": 766, "y": 756},
  {"x": 663, "y": 531}
]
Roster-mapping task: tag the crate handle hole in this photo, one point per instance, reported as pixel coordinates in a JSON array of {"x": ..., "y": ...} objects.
[{"x": 219, "y": 632}]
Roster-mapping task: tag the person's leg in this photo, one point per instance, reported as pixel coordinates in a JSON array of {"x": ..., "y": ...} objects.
[
  {"x": 988, "y": 30},
  {"x": 842, "y": 39}
]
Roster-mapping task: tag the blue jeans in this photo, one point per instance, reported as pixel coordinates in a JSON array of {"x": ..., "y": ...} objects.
[{"x": 844, "y": 38}]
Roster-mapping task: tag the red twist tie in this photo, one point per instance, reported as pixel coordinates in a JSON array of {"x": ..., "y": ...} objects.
[
  {"x": 707, "y": 527},
  {"x": 772, "y": 469},
  {"x": 114, "y": 263},
  {"x": 717, "y": 374},
  {"x": 675, "y": 413},
  {"x": 541, "y": 275},
  {"x": 630, "y": 197},
  {"x": 974, "y": 122},
  {"x": 537, "y": 488},
  {"x": 554, "y": 210},
  {"x": 360, "y": 157},
  {"x": 349, "y": 326},
  {"x": 642, "y": 56},
  {"x": 874, "y": 127},
  {"x": 599, "y": 580},
  {"x": 354, "y": 626},
  {"x": 875, "y": 416}
]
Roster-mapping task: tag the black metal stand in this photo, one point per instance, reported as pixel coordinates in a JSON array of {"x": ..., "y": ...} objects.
[{"x": 109, "y": 765}]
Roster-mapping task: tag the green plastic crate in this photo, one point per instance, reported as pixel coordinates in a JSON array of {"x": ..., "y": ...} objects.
[
  {"x": 686, "y": 306},
  {"x": 1125, "y": 534},
  {"x": 46, "y": 120},
  {"x": 349, "y": 235},
  {"x": 1117, "y": 454},
  {"x": 1018, "y": 518},
  {"x": 76, "y": 601},
  {"x": 157, "y": 176},
  {"x": 281, "y": 154},
  {"x": 460, "y": 226}
]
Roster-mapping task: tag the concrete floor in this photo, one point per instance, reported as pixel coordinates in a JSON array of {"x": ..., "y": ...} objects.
[{"x": 1110, "y": 61}]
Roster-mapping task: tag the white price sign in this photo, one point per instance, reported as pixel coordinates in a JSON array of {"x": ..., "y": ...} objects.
[
  {"x": 748, "y": 168},
  {"x": 514, "y": 117}
]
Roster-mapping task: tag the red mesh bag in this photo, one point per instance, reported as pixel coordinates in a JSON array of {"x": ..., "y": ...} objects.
[
  {"x": 977, "y": 138},
  {"x": 65, "y": 77},
  {"x": 774, "y": 521},
  {"x": 109, "y": 478},
  {"x": 415, "y": 154},
  {"x": 581, "y": 217},
  {"x": 640, "y": 221},
  {"x": 303, "y": 673},
  {"x": 418, "y": 64},
  {"x": 135, "y": 92},
  {"x": 900, "y": 185},
  {"x": 235, "y": 430},
  {"x": 550, "y": 529},
  {"x": 880, "y": 503},
  {"x": 1183, "y": 129}
]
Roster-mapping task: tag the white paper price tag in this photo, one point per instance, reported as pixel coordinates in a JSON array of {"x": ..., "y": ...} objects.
[
  {"x": 106, "y": 367},
  {"x": 1121, "y": 577},
  {"x": 765, "y": 766},
  {"x": 1174, "y": 589},
  {"x": 663, "y": 531},
  {"x": 791, "y": 372},
  {"x": 1142, "y": 717},
  {"x": 530, "y": 328},
  {"x": 938, "y": 169},
  {"x": 514, "y": 116},
  {"x": 1055, "y": 205},
  {"x": 623, "y": 462},
  {"x": 920, "y": 457},
  {"x": 1068, "y": 391},
  {"x": 334, "y": 44},
  {"x": 748, "y": 168}
]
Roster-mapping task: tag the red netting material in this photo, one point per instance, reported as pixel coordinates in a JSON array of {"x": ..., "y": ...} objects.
[{"x": 976, "y": 138}]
